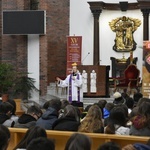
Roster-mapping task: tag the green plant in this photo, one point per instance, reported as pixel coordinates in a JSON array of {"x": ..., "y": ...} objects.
[
  {"x": 17, "y": 84},
  {"x": 23, "y": 86},
  {"x": 7, "y": 77}
]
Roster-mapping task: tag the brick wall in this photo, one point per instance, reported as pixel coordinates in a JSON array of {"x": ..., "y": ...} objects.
[
  {"x": 13, "y": 48},
  {"x": 53, "y": 45}
]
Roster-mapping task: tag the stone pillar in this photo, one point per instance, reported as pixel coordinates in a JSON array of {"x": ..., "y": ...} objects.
[
  {"x": 96, "y": 59},
  {"x": 144, "y": 5},
  {"x": 145, "y": 13},
  {"x": 96, "y": 9}
]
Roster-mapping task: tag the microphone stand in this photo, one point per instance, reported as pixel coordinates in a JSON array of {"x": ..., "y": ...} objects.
[{"x": 85, "y": 57}]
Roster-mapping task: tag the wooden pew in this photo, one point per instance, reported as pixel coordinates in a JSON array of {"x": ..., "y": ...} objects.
[
  {"x": 19, "y": 111},
  {"x": 61, "y": 138}
]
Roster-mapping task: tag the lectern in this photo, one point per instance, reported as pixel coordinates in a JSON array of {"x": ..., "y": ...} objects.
[{"x": 101, "y": 87}]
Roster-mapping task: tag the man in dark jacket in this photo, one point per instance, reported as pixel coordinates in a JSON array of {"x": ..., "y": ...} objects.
[
  {"x": 29, "y": 119},
  {"x": 50, "y": 115}
]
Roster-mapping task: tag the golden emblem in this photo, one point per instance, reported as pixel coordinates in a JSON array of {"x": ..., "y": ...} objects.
[{"x": 124, "y": 27}]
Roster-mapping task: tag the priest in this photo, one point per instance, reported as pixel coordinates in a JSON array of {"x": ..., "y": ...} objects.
[{"x": 74, "y": 83}]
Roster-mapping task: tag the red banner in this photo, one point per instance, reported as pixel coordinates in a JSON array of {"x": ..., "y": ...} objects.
[
  {"x": 146, "y": 69},
  {"x": 74, "y": 46}
]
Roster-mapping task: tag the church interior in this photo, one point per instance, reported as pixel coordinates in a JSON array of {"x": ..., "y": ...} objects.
[
  {"x": 50, "y": 46},
  {"x": 101, "y": 26}
]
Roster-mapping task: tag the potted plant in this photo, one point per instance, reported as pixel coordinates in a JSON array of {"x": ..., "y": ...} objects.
[
  {"x": 7, "y": 77},
  {"x": 23, "y": 86}
]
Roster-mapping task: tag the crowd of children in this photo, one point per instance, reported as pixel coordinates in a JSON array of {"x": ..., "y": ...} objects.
[{"x": 124, "y": 116}]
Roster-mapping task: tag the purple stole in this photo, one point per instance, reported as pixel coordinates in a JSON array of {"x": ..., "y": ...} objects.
[{"x": 70, "y": 89}]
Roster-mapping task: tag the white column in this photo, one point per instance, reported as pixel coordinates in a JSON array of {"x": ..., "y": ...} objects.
[{"x": 33, "y": 63}]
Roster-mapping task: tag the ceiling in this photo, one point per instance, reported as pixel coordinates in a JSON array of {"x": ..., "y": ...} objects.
[{"x": 116, "y": 1}]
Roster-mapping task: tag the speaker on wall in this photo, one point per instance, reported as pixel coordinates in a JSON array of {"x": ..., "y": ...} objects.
[
  {"x": 24, "y": 22},
  {"x": 123, "y": 6}
]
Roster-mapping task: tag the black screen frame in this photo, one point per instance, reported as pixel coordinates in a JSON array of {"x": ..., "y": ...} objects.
[{"x": 24, "y": 22}]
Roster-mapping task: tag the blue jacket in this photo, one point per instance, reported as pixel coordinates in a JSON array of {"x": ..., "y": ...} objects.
[
  {"x": 106, "y": 113},
  {"x": 140, "y": 146},
  {"x": 47, "y": 119}
]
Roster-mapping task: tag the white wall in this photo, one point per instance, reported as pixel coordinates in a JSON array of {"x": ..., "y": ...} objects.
[
  {"x": 81, "y": 23},
  {"x": 33, "y": 63}
]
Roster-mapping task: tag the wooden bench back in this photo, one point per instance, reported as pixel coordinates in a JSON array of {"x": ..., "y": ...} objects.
[{"x": 61, "y": 137}]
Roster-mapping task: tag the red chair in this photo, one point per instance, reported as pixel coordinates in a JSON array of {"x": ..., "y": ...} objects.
[{"x": 130, "y": 80}]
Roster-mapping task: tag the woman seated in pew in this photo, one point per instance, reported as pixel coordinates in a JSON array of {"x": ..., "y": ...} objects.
[
  {"x": 78, "y": 142},
  {"x": 32, "y": 133},
  {"x": 141, "y": 122},
  {"x": 117, "y": 122},
  {"x": 5, "y": 114},
  {"x": 64, "y": 103},
  {"x": 4, "y": 137},
  {"x": 129, "y": 104},
  {"x": 41, "y": 143},
  {"x": 134, "y": 111},
  {"x": 102, "y": 103},
  {"x": 106, "y": 112},
  {"x": 136, "y": 97},
  {"x": 84, "y": 113},
  {"x": 109, "y": 146},
  {"x": 69, "y": 121},
  {"x": 92, "y": 123},
  {"x": 14, "y": 117}
]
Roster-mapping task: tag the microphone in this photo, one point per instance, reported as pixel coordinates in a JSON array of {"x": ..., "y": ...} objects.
[
  {"x": 85, "y": 57},
  {"x": 74, "y": 74}
]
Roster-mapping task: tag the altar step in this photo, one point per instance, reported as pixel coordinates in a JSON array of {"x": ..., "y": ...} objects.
[
  {"x": 56, "y": 92},
  {"x": 61, "y": 93}
]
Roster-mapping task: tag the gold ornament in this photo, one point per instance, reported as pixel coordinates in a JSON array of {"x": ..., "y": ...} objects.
[{"x": 124, "y": 27}]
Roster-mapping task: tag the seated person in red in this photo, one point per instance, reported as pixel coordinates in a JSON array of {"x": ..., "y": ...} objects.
[{"x": 141, "y": 121}]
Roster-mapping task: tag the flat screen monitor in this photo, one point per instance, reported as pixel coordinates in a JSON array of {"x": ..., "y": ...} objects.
[{"x": 24, "y": 22}]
